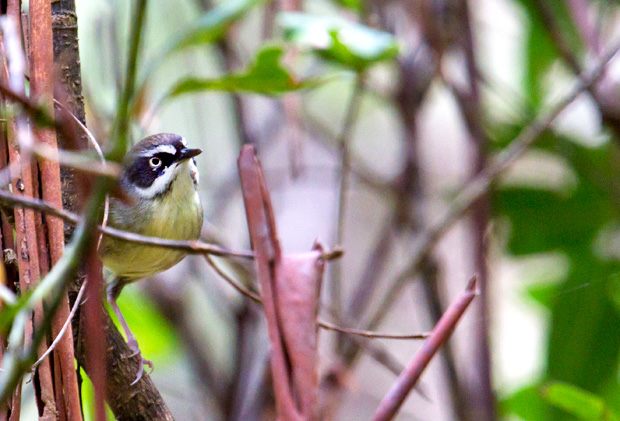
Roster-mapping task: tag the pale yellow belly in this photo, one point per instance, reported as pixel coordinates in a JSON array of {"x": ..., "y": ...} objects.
[{"x": 171, "y": 219}]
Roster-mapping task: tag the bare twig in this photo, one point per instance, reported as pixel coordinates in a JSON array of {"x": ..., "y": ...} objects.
[
  {"x": 605, "y": 95},
  {"x": 191, "y": 247},
  {"x": 323, "y": 324},
  {"x": 64, "y": 327},
  {"x": 77, "y": 161},
  {"x": 393, "y": 400},
  {"x": 236, "y": 285},
  {"x": 368, "y": 334},
  {"x": 342, "y": 141}
]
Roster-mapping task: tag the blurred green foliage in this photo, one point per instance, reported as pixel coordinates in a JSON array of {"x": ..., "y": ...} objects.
[
  {"x": 265, "y": 76},
  {"x": 577, "y": 402},
  {"x": 584, "y": 330},
  {"x": 349, "y": 44}
]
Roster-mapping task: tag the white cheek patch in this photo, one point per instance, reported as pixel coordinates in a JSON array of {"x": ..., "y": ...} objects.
[
  {"x": 161, "y": 148},
  {"x": 160, "y": 184}
]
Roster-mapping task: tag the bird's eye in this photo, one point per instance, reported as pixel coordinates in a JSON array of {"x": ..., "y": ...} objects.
[{"x": 155, "y": 162}]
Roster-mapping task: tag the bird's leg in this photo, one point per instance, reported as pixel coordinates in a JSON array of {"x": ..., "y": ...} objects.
[{"x": 114, "y": 290}]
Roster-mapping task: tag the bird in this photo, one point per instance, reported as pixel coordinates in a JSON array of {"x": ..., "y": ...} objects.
[{"x": 159, "y": 184}]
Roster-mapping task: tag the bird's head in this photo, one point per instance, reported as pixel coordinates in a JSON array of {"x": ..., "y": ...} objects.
[{"x": 153, "y": 164}]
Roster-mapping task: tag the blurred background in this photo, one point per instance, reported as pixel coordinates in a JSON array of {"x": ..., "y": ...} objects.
[{"x": 405, "y": 101}]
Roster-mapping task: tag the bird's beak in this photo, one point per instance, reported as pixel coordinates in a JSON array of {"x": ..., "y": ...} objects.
[{"x": 187, "y": 153}]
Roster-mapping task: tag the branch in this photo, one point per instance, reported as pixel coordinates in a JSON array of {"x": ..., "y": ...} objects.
[
  {"x": 51, "y": 288},
  {"x": 394, "y": 399},
  {"x": 191, "y": 247},
  {"x": 342, "y": 141},
  {"x": 323, "y": 324}
]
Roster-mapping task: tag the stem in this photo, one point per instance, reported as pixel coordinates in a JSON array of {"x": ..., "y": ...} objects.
[
  {"x": 342, "y": 141},
  {"x": 393, "y": 400},
  {"x": 42, "y": 90}
]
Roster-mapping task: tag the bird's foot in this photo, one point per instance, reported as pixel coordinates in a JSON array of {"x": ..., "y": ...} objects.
[
  {"x": 133, "y": 345},
  {"x": 141, "y": 363}
]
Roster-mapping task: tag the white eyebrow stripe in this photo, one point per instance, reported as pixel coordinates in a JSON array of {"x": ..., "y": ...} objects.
[{"x": 161, "y": 148}]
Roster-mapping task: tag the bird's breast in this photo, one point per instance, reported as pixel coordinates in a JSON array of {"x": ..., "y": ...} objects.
[{"x": 177, "y": 216}]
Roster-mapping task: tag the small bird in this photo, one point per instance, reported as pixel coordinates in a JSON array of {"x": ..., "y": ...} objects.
[{"x": 160, "y": 180}]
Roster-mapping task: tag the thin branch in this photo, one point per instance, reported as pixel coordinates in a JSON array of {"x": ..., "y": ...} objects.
[
  {"x": 191, "y": 247},
  {"x": 76, "y": 304},
  {"x": 323, "y": 324},
  {"x": 77, "y": 161},
  {"x": 399, "y": 391},
  {"x": 342, "y": 141},
  {"x": 236, "y": 285},
  {"x": 368, "y": 334},
  {"x": 604, "y": 95}
]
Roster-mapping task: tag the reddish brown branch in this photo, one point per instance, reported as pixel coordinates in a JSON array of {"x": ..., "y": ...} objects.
[
  {"x": 399, "y": 391},
  {"x": 25, "y": 223},
  {"x": 42, "y": 90},
  {"x": 290, "y": 288}
]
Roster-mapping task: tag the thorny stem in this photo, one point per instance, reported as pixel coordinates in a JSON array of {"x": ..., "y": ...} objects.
[
  {"x": 342, "y": 141},
  {"x": 478, "y": 186}
]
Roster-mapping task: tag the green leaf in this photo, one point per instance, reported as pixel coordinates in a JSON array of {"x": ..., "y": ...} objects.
[
  {"x": 10, "y": 310},
  {"x": 541, "y": 51},
  {"x": 543, "y": 293},
  {"x": 347, "y": 43},
  {"x": 584, "y": 330},
  {"x": 540, "y": 55},
  {"x": 577, "y": 402},
  {"x": 526, "y": 403},
  {"x": 211, "y": 26},
  {"x": 265, "y": 76},
  {"x": 355, "y": 5}
]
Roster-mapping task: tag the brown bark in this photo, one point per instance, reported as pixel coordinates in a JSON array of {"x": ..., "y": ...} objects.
[
  {"x": 42, "y": 89},
  {"x": 141, "y": 401},
  {"x": 29, "y": 272},
  {"x": 27, "y": 247}
]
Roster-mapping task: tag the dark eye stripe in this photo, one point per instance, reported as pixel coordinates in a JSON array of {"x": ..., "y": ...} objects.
[{"x": 166, "y": 158}]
